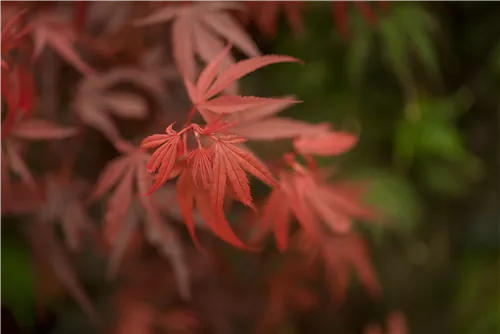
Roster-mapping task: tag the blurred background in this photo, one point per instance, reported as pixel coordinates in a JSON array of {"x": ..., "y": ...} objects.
[
  {"x": 422, "y": 89},
  {"x": 420, "y": 83}
]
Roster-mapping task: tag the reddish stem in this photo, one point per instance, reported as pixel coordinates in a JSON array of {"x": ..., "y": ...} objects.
[
  {"x": 187, "y": 128},
  {"x": 190, "y": 115}
]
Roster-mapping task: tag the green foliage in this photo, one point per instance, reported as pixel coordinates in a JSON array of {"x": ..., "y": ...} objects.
[
  {"x": 403, "y": 35},
  {"x": 17, "y": 281},
  {"x": 427, "y": 136},
  {"x": 393, "y": 197},
  {"x": 477, "y": 301}
]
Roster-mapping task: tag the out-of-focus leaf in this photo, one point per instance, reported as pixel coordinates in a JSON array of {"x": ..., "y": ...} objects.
[
  {"x": 407, "y": 31},
  {"x": 392, "y": 196},
  {"x": 358, "y": 51},
  {"x": 393, "y": 42},
  {"x": 448, "y": 180},
  {"x": 417, "y": 24},
  {"x": 406, "y": 140},
  {"x": 476, "y": 305},
  {"x": 441, "y": 140},
  {"x": 428, "y": 131},
  {"x": 17, "y": 282}
]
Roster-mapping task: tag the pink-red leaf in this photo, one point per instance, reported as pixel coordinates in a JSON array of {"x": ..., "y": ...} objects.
[
  {"x": 276, "y": 213},
  {"x": 325, "y": 144},
  {"x": 164, "y": 157},
  {"x": 230, "y": 104},
  {"x": 276, "y": 128},
  {"x": 242, "y": 68},
  {"x": 201, "y": 167},
  {"x": 225, "y": 163},
  {"x": 185, "y": 198},
  {"x": 39, "y": 129}
]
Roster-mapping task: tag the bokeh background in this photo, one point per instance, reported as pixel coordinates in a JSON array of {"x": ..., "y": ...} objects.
[
  {"x": 421, "y": 86},
  {"x": 422, "y": 89}
]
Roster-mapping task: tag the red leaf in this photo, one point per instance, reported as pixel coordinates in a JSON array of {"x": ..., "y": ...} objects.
[
  {"x": 213, "y": 19},
  {"x": 217, "y": 222},
  {"x": 325, "y": 144},
  {"x": 230, "y": 161},
  {"x": 39, "y": 129},
  {"x": 185, "y": 198},
  {"x": 276, "y": 213},
  {"x": 275, "y": 128},
  {"x": 242, "y": 68},
  {"x": 61, "y": 37},
  {"x": 164, "y": 157},
  {"x": 112, "y": 173},
  {"x": 230, "y": 104},
  {"x": 225, "y": 164},
  {"x": 201, "y": 167},
  {"x": 207, "y": 76}
]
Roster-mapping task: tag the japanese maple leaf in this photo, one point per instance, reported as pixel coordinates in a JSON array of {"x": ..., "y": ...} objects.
[
  {"x": 126, "y": 207},
  {"x": 12, "y": 34},
  {"x": 229, "y": 164},
  {"x": 190, "y": 196},
  {"x": 18, "y": 198},
  {"x": 18, "y": 87},
  {"x": 223, "y": 164},
  {"x": 395, "y": 324},
  {"x": 18, "y": 92},
  {"x": 28, "y": 130},
  {"x": 49, "y": 254},
  {"x": 340, "y": 13},
  {"x": 260, "y": 123},
  {"x": 135, "y": 316},
  {"x": 166, "y": 197},
  {"x": 209, "y": 84},
  {"x": 338, "y": 254},
  {"x": 324, "y": 143},
  {"x": 266, "y": 15},
  {"x": 56, "y": 199},
  {"x": 217, "y": 167},
  {"x": 200, "y": 29},
  {"x": 95, "y": 100},
  {"x": 110, "y": 15},
  {"x": 319, "y": 207},
  {"x": 50, "y": 30},
  {"x": 170, "y": 146},
  {"x": 287, "y": 291},
  {"x": 64, "y": 205}
]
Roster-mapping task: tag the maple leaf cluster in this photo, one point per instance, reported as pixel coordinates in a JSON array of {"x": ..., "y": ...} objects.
[{"x": 193, "y": 171}]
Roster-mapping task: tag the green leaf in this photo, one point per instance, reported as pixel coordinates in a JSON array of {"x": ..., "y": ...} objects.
[
  {"x": 441, "y": 140},
  {"x": 476, "y": 307},
  {"x": 17, "y": 282},
  {"x": 392, "y": 196},
  {"x": 446, "y": 179},
  {"x": 405, "y": 32},
  {"x": 395, "y": 48},
  {"x": 417, "y": 25},
  {"x": 358, "y": 51},
  {"x": 406, "y": 142}
]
